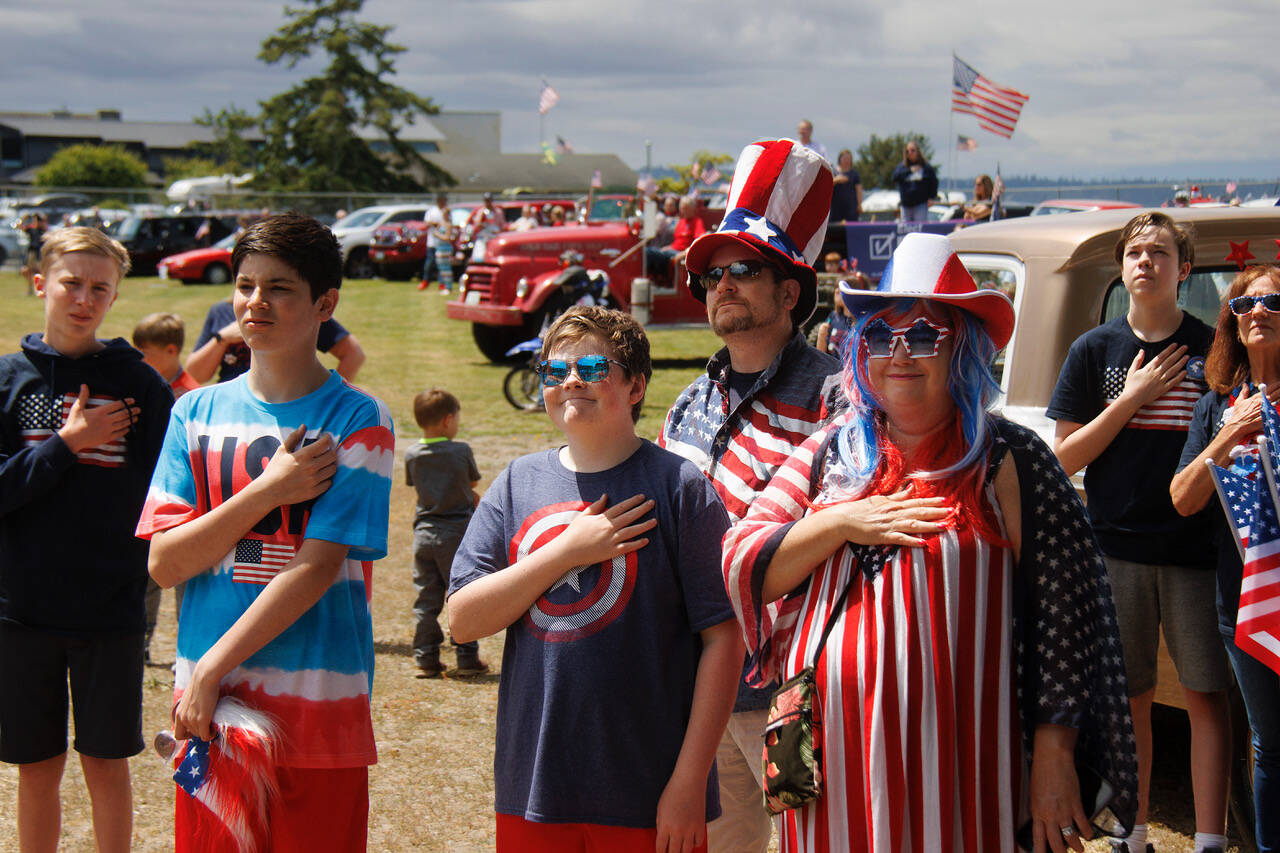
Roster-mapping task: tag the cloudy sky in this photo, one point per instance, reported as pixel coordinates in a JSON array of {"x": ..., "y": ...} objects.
[{"x": 1176, "y": 88}]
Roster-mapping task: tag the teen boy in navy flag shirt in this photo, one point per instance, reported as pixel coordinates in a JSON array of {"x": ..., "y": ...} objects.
[{"x": 81, "y": 425}]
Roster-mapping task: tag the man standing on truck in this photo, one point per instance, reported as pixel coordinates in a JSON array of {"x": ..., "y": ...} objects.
[{"x": 762, "y": 395}]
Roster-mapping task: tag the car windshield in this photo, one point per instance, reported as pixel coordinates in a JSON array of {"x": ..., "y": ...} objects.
[
  {"x": 125, "y": 229},
  {"x": 360, "y": 219},
  {"x": 610, "y": 208}
]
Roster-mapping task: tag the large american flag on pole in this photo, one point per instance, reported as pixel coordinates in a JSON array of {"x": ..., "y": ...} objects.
[
  {"x": 547, "y": 99},
  {"x": 996, "y": 107}
]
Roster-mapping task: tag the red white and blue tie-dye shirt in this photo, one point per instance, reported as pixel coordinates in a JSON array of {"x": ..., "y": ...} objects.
[{"x": 316, "y": 676}]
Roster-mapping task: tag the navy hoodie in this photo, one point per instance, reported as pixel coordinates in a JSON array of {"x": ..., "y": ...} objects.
[{"x": 69, "y": 562}]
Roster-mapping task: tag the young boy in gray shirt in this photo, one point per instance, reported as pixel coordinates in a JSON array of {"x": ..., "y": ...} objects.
[{"x": 444, "y": 473}]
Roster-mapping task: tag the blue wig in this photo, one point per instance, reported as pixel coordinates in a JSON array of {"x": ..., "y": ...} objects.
[{"x": 972, "y": 385}]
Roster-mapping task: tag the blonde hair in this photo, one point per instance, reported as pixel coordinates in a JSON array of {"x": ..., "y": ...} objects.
[
  {"x": 64, "y": 241},
  {"x": 161, "y": 328}
]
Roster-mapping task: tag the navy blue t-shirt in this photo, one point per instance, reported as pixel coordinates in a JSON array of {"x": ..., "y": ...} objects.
[
  {"x": 1206, "y": 420},
  {"x": 598, "y": 675},
  {"x": 1127, "y": 486}
]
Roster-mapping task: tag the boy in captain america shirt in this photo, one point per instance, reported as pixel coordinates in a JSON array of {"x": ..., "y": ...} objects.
[
  {"x": 600, "y": 560},
  {"x": 270, "y": 500}
]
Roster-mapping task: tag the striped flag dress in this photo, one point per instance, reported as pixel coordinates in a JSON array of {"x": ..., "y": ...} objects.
[{"x": 922, "y": 747}]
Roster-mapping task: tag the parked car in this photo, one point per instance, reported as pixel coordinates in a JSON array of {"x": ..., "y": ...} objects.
[
  {"x": 398, "y": 250},
  {"x": 1078, "y": 205},
  {"x": 355, "y": 233},
  {"x": 13, "y": 243},
  {"x": 152, "y": 238},
  {"x": 504, "y": 298},
  {"x": 211, "y": 265},
  {"x": 1062, "y": 275}
]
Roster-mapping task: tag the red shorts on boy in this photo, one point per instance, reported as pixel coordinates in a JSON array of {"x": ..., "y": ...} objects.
[
  {"x": 317, "y": 810},
  {"x": 517, "y": 835}
]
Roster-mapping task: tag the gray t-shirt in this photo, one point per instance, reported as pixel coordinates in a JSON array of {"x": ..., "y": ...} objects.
[{"x": 442, "y": 472}]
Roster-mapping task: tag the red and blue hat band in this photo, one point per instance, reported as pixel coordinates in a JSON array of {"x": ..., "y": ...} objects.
[{"x": 747, "y": 223}]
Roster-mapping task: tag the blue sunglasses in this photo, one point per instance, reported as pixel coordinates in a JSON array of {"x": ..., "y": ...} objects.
[{"x": 589, "y": 368}]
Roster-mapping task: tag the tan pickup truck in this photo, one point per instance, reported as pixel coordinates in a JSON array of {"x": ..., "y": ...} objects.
[{"x": 1063, "y": 278}]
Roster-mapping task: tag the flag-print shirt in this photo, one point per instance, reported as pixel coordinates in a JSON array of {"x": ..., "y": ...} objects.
[
  {"x": 316, "y": 676},
  {"x": 1127, "y": 486},
  {"x": 740, "y": 448},
  {"x": 69, "y": 562},
  {"x": 598, "y": 675}
]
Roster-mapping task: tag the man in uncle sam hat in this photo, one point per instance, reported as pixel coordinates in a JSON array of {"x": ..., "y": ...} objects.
[{"x": 762, "y": 395}]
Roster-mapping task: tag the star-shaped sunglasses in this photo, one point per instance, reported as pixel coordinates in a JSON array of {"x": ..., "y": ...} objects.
[
  {"x": 738, "y": 270},
  {"x": 589, "y": 368},
  {"x": 921, "y": 339}
]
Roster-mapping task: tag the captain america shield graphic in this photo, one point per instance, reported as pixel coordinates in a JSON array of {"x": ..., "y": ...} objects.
[{"x": 586, "y": 599}]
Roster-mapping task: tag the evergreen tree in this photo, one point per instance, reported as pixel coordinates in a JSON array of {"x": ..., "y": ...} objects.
[{"x": 311, "y": 131}]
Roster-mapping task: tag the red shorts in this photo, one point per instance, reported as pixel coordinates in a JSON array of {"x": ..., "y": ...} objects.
[
  {"x": 316, "y": 810},
  {"x": 517, "y": 835}
]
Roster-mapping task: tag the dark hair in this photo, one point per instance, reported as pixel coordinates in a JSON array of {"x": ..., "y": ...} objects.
[
  {"x": 1227, "y": 364},
  {"x": 620, "y": 332},
  {"x": 1183, "y": 235},
  {"x": 302, "y": 242},
  {"x": 161, "y": 328},
  {"x": 432, "y": 406}
]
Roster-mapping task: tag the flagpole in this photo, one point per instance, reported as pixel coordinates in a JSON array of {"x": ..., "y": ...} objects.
[{"x": 951, "y": 136}]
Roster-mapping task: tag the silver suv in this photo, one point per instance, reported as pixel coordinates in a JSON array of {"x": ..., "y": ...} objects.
[{"x": 355, "y": 232}]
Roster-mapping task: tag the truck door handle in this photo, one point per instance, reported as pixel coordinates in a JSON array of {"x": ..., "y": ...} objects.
[{"x": 610, "y": 253}]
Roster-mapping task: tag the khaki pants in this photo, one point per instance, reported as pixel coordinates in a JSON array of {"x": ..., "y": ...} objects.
[{"x": 743, "y": 826}]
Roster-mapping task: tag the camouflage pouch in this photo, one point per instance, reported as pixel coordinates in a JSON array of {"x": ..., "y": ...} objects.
[{"x": 793, "y": 745}]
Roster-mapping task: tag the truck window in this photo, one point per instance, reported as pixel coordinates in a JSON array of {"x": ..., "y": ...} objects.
[
  {"x": 1003, "y": 273},
  {"x": 1200, "y": 295}
]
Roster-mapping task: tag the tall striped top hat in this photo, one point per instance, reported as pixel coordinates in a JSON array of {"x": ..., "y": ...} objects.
[
  {"x": 924, "y": 266},
  {"x": 778, "y": 205}
]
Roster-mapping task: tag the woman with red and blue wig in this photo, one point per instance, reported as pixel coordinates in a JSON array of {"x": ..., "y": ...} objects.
[{"x": 972, "y": 675}]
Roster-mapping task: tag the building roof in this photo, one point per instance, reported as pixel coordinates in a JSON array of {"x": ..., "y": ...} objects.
[{"x": 497, "y": 172}]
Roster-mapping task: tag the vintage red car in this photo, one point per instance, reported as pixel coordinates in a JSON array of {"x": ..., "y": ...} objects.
[
  {"x": 504, "y": 296},
  {"x": 211, "y": 265}
]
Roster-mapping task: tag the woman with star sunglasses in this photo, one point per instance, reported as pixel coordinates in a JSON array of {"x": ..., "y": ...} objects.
[
  {"x": 1245, "y": 355},
  {"x": 959, "y": 692}
]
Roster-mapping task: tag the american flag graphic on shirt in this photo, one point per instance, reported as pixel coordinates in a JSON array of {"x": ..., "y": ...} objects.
[
  {"x": 1171, "y": 411},
  {"x": 258, "y": 561},
  {"x": 40, "y": 416}
]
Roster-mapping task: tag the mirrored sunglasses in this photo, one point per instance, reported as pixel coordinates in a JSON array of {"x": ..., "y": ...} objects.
[
  {"x": 921, "y": 339},
  {"x": 738, "y": 271},
  {"x": 1244, "y": 304},
  {"x": 589, "y": 368}
]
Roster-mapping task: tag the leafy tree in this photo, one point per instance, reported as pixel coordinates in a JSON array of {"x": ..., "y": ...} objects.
[
  {"x": 690, "y": 175},
  {"x": 176, "y": 168},
  {"x": 880, "y": 156},
  {"x": 229, "y": 147},
  {"x": 88, "y": 165},
  {"x": 311, "y": 130}
]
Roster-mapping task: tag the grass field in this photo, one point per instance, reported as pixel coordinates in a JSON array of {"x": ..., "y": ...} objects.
[{"x": 432, "y": 788}]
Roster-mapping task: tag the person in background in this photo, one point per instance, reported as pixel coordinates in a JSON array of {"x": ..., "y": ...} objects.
[
  {"x": 556, "y": 216},
  {"x": 1123, "y": 405},
  {"x": 435, "y": 219},
  {"x": 804, "y": 130},
  {"x": 1245, "y": 355},
  {"x": 444, "y": 473},
  {"x": 846, "y": 194},
  {"x": 917, "y": 184},
  {"x": 528, "y": 219},
  {"x": 220, "y": 348},
  {"x": 159, "y": 337},
  {"x": 979, "y": 207}
]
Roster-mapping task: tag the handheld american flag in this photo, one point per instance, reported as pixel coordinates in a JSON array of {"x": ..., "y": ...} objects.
[
  {"x": 1258, "y": 620},
  {"x": 547, "y": 99},
  {"x": 1237, "y": 494},
  {"x": 1269, "y": 443},
  {"x": 996, "y": 107}
]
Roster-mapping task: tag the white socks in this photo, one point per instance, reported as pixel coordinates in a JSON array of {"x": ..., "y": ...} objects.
[{"x": 1209, "y": 841}]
